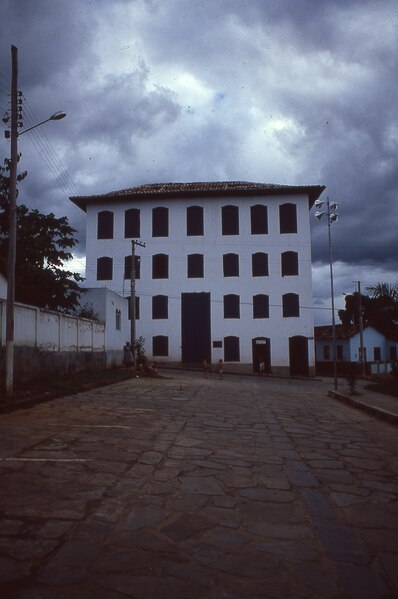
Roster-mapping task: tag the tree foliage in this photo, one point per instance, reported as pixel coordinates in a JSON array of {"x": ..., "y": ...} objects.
[
  {"x": 44, "y": 243},
  {"x": 379, "y": 308}
]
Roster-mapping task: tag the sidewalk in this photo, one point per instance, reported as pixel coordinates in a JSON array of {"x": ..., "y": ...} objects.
[{"x": 380, "y": 405}]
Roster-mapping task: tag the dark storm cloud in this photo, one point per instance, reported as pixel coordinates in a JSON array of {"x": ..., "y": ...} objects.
[
  {"x": 294, "y": 91},
  {"x": 128, "y": 110}
]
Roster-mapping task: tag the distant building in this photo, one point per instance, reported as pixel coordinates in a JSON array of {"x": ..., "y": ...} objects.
[
  {"x": 225, "y": 271},
  {"x": 112, "y": 309},
  {"x": 378, "y": 347}
]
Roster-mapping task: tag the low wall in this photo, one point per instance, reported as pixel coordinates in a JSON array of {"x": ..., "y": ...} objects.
[
  {"x": 31, "y": 363},
  {"x": 52, "y": 331}
]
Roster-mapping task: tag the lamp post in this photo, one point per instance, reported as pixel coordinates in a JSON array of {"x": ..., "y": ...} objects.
[
  {"x": 331, "y": 218},
  {"x": 57, "y": 116},
  {"x": 13, "y": 219}
]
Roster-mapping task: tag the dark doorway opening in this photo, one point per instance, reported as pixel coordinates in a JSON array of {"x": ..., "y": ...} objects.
[
  {"x": 261, "y": 351},
  {"x": 298, "y": 355},
  {"x": 195, "y": 327}
]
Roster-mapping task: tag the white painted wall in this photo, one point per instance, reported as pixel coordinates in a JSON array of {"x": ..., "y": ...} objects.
[
  {"x": 105, "y": 303},
  {"x": 52, "y": 331},
  {"x": 213, "y": 245},
  {"x": 3, "y": 287},
  {"x": 371, "y": 339}
]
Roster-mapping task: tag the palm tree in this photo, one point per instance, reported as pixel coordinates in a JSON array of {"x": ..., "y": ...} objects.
[
  {"x": 384, "y": 308},
  {"x": 385, "y": 290}
]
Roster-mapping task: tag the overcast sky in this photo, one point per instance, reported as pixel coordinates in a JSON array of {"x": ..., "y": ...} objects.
[{"x": 292, "y": 92}]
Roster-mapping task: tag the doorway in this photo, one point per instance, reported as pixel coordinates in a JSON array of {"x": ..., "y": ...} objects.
[
  {"x": 261, "y": 352},
  {"x": 195, "y": 327},
  {"x": 298, "y": 356}
]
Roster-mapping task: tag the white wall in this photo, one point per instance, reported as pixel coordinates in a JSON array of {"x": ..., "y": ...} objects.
[
  {"x": 3, "y": 287},
  {"x": 371, "y": 339},
  {"x": 213, "y": 245},
  {"x": 105, "y": 303},
  {"x": 52, "y": 331}
]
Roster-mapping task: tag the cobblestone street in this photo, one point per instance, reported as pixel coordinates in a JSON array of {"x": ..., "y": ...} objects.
[{"x": 185, "y": 488}]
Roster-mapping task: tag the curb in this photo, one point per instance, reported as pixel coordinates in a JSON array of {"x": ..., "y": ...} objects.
[{"x": 378, "y": 412}]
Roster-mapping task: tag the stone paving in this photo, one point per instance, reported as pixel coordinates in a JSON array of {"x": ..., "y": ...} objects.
[{"x": 191, "y": 488}]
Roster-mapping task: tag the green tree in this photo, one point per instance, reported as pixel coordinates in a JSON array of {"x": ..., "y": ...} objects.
[
  {"x": 379, "y": 308},
  {"x": 384, "y": 290},
  {"x": 44, "y": 243}
]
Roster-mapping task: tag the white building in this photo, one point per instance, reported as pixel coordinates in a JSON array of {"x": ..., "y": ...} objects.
[
  {"x": 378, "y": 348},
  {"x": 112, "y": 309},
  {"x": 225, "y": 271}
]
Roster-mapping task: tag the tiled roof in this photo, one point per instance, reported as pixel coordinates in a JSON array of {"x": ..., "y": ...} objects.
[
  {"x": 153, "y": 190},
  {"x": 325, "y": 332},
  {"x": 342, "y": 332}
]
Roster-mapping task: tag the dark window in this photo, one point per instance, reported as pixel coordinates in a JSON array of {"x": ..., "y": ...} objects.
[
  {"x": 288, "y": 218},
  {"x": 160, "y": 345},
  {"x": 132, "y": 223},
  {"x": 377, "y": 354},
  {"x": 393, "y": 354},
  {"x": 326, "y": 352},
  {"x": 259, "y": 219},
  {"x": 195, "y": 220},
  {"x": 137, "y": 307},
  {"x": 260, "y": 264},
  {"x": 339, "y": 349},
  {"x": 261, "y": 306},
  {"x": 231, "y": 265},
  {"x": 160, "y": 266},
  {"x": 160, "y": 306},
  {"x": 231, "y": 306},
  {"x": 231, "y": 349},
  {"x": 105, "y": 225},
  {"x": 104, "y": 269},
  {"x": 160, "y": 222},
  {"x": 127, "y": 267},
  {"x": 195, "y": 266},
  {"x": 290, "y": 303},
  {"x": 118, "y": 319},
  {"x": 217, "y": 344},
  {"x": 230, "y": 220},
  {"x": 289, "y": 264}
]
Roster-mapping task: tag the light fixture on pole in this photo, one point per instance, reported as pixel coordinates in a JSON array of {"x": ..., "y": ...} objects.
[
  {"x": 57, "y": 116},
  {"x": 9, "y": 379},
  {"x": 332, "y": 217}
]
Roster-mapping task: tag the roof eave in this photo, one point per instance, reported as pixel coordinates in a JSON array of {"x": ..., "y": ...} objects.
[{"x": 313, "y": 191}]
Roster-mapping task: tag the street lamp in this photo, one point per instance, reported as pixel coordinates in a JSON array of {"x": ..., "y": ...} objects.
[
  {"x": 57, "y": 116},
  {"x": 13, "y": 219},
  {"x": 331, "y": 218}
]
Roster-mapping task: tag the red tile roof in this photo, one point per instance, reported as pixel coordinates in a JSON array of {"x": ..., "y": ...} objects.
[
  {"x": 342, "y": 332},
  {"x": 172, "y": 190},
  {"x": 325, "y": 332}
]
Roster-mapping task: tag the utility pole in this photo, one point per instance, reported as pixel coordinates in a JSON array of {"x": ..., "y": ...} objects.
[
  {"x": 332, "y": 294},
  {"x": 134, "y": 243},
  {"x": 361, "y": 331},
  {"x": 12, "y": 196}
]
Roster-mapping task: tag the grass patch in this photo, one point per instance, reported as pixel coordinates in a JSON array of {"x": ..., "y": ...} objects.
[
  {"x": 51, "y": 387},
  {"x": 385, "y": 387}
]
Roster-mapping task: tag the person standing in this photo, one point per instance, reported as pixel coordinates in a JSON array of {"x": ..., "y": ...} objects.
[
  {"x": 205, "y": 366},
  {"x": 220, "y": 369},
  {"x": 128, "y": 356}
]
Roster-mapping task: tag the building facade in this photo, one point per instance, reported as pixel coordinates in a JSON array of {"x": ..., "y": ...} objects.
[
  {"x": 225, "y": 271},
  {"x": 378, "y": 348}
]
